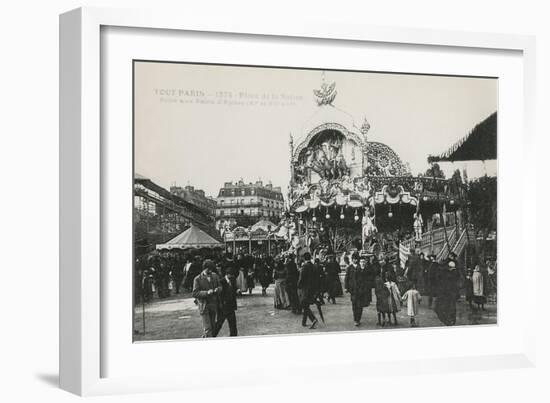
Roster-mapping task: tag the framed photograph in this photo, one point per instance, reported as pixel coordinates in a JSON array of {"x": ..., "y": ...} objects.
[{"x": 326, "y": 195}]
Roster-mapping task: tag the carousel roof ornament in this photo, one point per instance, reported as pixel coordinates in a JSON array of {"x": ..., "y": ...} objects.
[
  {"x": 327, "y": 93},
  {"x": 365, "y": 127}
]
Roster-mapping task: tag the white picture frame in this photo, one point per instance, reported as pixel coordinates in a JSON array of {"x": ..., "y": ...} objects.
[{"x": 83, "y": 178}]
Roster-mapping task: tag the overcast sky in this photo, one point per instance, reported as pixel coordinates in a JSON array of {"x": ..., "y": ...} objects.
[{"x": 205, "y": 125}]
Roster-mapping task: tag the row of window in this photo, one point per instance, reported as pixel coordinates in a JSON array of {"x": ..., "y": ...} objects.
[
  {"x": 250, "y": 192},
  {"x": 248, "y": 212},
  {"x": 250, "y": 201}
]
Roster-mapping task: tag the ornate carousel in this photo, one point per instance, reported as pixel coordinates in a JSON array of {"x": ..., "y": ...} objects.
[{"x": 346, "y": 192}]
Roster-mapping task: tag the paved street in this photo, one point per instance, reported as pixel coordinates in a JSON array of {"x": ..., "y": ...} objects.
[{"x": 178, "y": 317}]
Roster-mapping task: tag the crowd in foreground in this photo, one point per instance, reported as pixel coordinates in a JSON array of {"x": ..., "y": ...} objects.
[{"x": 300, "y": 284}]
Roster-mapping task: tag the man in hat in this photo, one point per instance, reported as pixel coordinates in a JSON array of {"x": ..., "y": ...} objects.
[
  {"x": 357, "y": 285},
  {"x": 206, "y": 289},
  {"x": 308, "y": 284},
  {"x": 228, "y": 304}
]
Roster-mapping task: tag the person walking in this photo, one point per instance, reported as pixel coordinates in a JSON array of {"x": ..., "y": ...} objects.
[
  {"x": 382, "y": 297},
  {"x": 394, "y": 300},
  {"x": 280, "y": 298},
  {"x": 308, "y": 286},
  {"x": 431, "y": 270},
  {"x": 478, "y": 288},
  {"x": 322, "y": 281},
  {"x": 206, "y": 289},
  {"x": 177, "y": 272},
  {"x": 292, "y": 275},
  {"x": 228, "y": 305},
  {"x": 447, "y": 289},
  {"x": 469, "y": 288},
  {"x": 262, "y": 273},
  {"x": 241, "y": 273},
  {"x": 334, "y": 286},
  {"x": 412, "y": 298},
  {"x": 357, "y": 285}
]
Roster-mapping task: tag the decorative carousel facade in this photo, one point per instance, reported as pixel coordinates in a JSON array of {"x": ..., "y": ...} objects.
[{"x": 343, "y": 183}]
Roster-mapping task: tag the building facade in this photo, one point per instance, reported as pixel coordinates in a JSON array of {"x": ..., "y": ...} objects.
[
  {"x": 196, "y": 197},
  {"x": 243, "y": 204}
]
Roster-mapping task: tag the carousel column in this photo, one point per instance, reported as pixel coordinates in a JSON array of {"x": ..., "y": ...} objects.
[{"x": 249, "y": 244}]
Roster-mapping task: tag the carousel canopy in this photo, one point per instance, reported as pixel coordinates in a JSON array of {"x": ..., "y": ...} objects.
[
  {"x": 478, "y": 145},
  {"x": 191, "y": 238},
  {"x": 264, "y": 225}
]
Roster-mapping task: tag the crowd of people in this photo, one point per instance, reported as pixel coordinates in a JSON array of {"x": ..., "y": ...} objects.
[{"x": 216, "y": 281}]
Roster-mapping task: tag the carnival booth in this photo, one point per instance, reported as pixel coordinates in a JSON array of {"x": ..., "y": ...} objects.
[
  {"x": 260, "y": 238},
  {"x": 191, "y": 238},
  {"x": 347, "y": 190}
]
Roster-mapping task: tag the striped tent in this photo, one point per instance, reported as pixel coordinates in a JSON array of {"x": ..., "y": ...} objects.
[{"x": 191, "y": 238}]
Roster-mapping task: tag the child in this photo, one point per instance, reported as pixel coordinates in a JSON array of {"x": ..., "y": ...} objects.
[
  {"x": 394, "y": 300},
  {"x": 382, "y": 295},
  {"x": 413, "y": 298}
]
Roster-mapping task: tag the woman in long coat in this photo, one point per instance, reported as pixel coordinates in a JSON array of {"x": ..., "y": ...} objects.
[
  {"x": 334, "y": 286},
  {"x": 478, "y": 287},
  {"x": 382, "y": 298},
  {"x": 240, "y": 280},
  {"x": 262, "y": 274},
  {"x": 280, "y": 299},
  {"x": 445, "y": 304},
  {"x": 394, "y": 300}
]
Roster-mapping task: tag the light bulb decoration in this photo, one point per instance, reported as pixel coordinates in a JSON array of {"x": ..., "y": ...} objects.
[
  {"x": 390, "y": 214},
  {"x": 356, "y": 217},
  {"x": 342, "y": 216}
]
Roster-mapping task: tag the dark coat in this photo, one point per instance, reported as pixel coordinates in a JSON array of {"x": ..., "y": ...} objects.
[
  {"x": 308, "y": 283},
  {"x": 334, "y": 286},
  {"x": 447, "y": 292},
  {"x": 292, "y": 274},
  {"x": 382, "y": 295},
  {"x": 431, "y": 272},
  {"x": 359, "y": 283},
  {"x": 415, "y": 268},
  {"x": 228, "y": 295},
  {"x": 201, "y": 286},
  {"x": 262, "y": 273}
]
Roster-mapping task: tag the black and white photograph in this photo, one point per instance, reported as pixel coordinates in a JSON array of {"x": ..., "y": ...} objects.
[{"x": 270, "y": 200}]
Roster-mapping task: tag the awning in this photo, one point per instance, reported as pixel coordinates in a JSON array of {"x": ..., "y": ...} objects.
[
  {"x": 191, "y": 238},
  {"x": 478, "y": 145}
]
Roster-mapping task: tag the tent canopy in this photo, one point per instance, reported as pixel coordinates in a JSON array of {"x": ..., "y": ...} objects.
[
  {"x": 191, "y": 238},
  {"x": 478, "y": 145},
  {"x": 264, "y": 225}
]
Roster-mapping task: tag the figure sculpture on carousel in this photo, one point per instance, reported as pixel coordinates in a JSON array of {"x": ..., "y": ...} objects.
[
  {"x": 417, "y": 226},
  {"x": 368, "y": 228}
]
